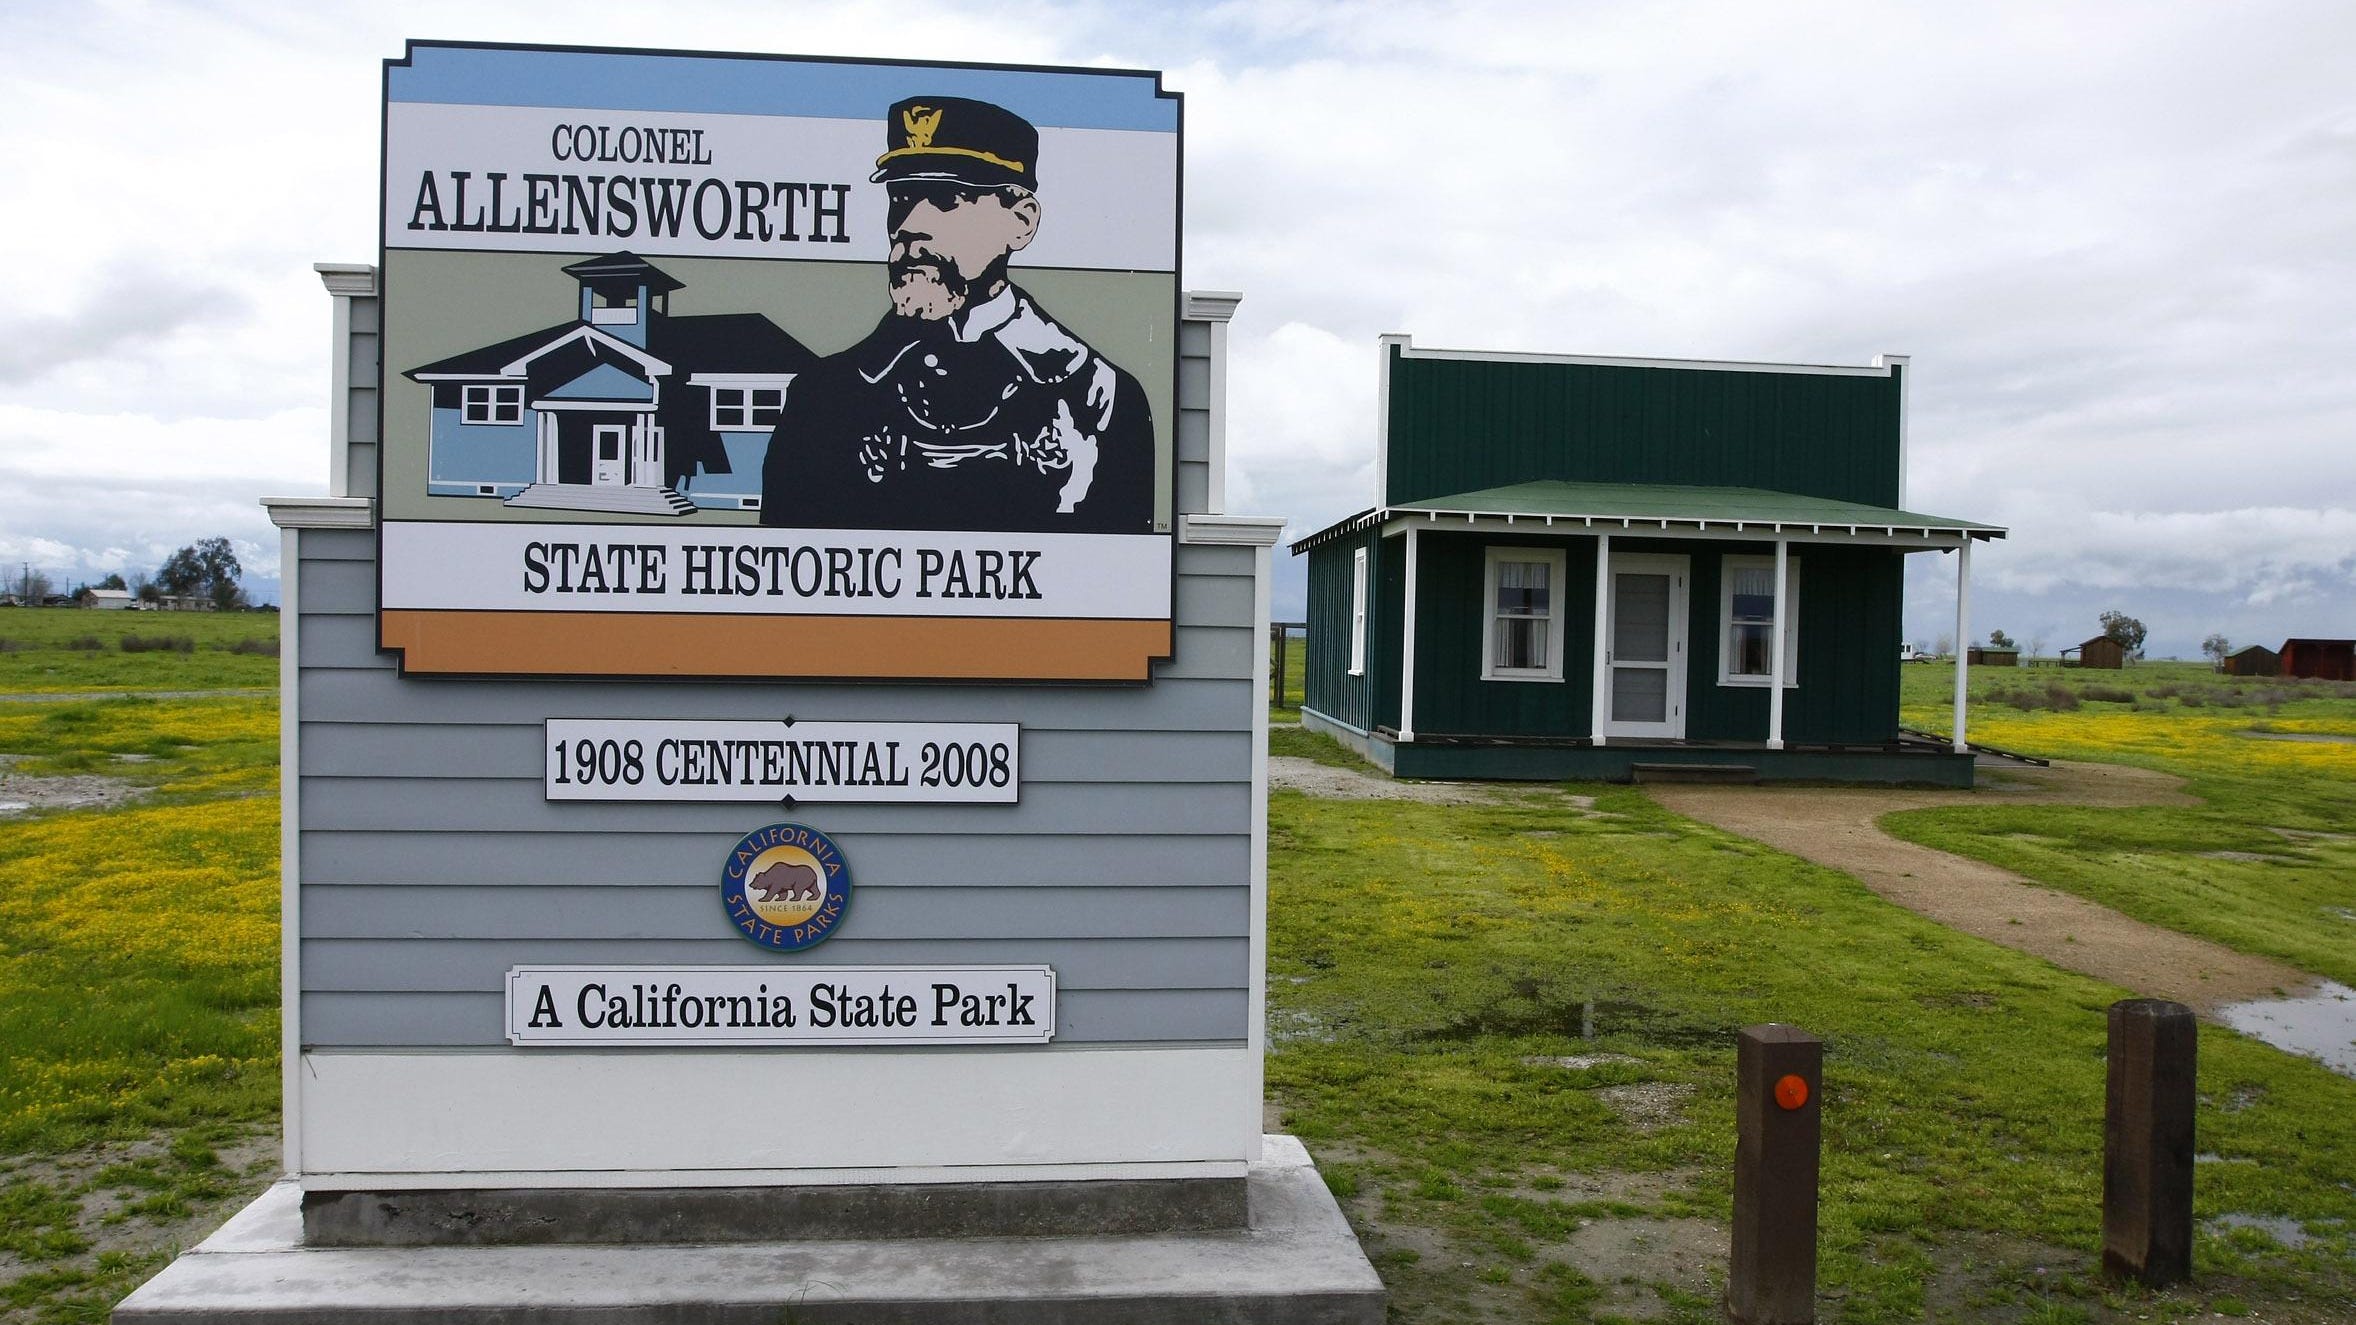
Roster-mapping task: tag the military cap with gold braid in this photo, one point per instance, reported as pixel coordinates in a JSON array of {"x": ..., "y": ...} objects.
[{"x": 951, "y": 138}]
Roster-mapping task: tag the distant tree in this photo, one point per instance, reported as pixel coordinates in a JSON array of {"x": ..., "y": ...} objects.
[
  {"x": 181, "y": 573},
  {"x": 2126, "y": 630},
  {"x": 143, "y": 588},
  {"x": 207, "y": 567},
  {"x": 2216, "y": 648},
  {"x": 2037, "y": 643},
  {"x": 1997, "y": 639},
  {"x": 32, "y": 586},
  {"x": 113, "y": 580},
  {"x": 1945, "y": 645}
]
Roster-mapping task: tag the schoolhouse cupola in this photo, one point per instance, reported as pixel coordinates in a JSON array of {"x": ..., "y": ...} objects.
[{"x": 621, "y": 293}]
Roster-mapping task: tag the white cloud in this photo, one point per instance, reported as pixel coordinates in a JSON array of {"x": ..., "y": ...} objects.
[{"x": 2112, "y": 235}]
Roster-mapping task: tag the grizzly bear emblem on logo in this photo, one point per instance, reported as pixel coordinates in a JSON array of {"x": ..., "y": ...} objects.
[{"x": 786, "y": 881}]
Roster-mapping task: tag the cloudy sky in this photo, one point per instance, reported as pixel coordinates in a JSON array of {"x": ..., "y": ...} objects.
[{"x": 2119, "y": 241}]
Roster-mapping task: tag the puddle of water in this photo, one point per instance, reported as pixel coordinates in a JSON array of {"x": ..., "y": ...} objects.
[
  {"x": 1581, "y": 1062},
  {"x": 1531, "y": 1011},
  {"x": 2282, "y": 1228},
  {"x": 2321, "y": 1025},
  {"x": 14, "y": 807}
]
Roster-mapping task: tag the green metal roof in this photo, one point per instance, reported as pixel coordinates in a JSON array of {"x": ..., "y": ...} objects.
[{"x": 1673, "y": 507}]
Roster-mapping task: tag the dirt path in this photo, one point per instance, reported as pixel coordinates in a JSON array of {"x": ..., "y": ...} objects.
[{"x": 1839, "y": 828}]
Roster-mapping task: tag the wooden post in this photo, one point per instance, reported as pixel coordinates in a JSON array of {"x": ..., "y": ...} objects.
[
  {"x": 1280, "y": 637},
  {"x": 2148, "y": 1142},
  {"x": 1779, "y": 1078}
]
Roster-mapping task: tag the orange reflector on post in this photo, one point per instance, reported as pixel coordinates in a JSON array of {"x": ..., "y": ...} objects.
[{"x": 1791, "y": 1090}]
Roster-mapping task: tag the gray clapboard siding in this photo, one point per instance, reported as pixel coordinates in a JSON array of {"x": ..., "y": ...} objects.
[
  {"x": 339, "y": 545},
  {"x": 1194, "y": 420},
  {"x": 436, "y": 1021},
  {"x": 373, "y": 695},
  {"x": 692, "y": 910},
  {"x": 336, "y": 749},
  {"x": 431, "y": 861},
  {"x": 1140, "y": 861},
  {"x": 360, "y": 408},
  {"x": 337, "y": 586},
  {"x": 463, "y": 965},
  {"x": 427, "y": 805}
]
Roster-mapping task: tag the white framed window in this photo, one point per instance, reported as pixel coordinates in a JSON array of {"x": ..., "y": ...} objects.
[
  {"x": 746, "y": 408},
  {"x": 1746, "y": 621},
  {"x": 1522, "y": 615},
  {"x": 1358, "y": 614},
  {"x": 492, "y": 403}
]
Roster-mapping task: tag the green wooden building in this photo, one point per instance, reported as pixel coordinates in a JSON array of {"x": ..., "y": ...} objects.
[{"x": 1572, "y": 572}]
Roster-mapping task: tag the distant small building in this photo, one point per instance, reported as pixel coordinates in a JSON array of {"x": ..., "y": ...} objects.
[
  {"x": 2320, "y": 659},
  {"x": 2102, "y": 652},
  {"x": 1991, "y": 656},
  {"x": 2256, "y": 660},
  {"x": 108, "y": 600}
]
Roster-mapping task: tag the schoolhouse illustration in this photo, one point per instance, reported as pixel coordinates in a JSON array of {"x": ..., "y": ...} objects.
[{"x": 625, "y": 408}]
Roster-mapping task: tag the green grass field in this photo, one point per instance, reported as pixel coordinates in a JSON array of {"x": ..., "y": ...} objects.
[
  {"x": 64, "y": 649},
  {"x": 1504, "y": 1029},
  {"x": 138, "y": 979},
  {"x": 2265, "y": 865},
  {"x": 1434, "y": 968}
]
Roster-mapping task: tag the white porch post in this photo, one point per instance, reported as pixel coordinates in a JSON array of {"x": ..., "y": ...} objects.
[
  {"x": 1407, "y": 649},
  {"x": 1963, "y": 633},
  {"x": 1775, "y": 649},
  {"x": 1598, "y": 695}
]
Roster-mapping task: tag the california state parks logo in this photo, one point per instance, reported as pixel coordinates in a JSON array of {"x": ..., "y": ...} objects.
[{"x": 786, "y": 887}]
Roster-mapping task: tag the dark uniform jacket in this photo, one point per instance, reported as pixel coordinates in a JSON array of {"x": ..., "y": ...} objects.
[{"x": 1007, "y": 422}]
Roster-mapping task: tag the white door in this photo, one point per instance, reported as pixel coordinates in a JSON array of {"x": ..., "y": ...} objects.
[
  {"x": 646, "y": 471},
  {"x": 1644, "y": 647},
  {"x": 610, "y": 438}
]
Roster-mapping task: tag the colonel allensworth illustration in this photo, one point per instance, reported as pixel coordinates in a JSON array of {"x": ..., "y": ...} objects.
[{"x": 968, "y": 406}]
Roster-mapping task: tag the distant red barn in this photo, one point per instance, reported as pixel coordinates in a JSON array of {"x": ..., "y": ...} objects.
[
  {"x": 2102, "y": 651},
  {"x": 2256, "y": 660},
  {"x": 2320, "y": 659}
]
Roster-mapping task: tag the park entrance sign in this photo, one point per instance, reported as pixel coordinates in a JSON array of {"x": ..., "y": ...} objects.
[
  {"x": 733, "y": 366},
  {"x": 668, "y": 859}
]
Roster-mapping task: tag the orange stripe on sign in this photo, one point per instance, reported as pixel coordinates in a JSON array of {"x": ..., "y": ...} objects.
[{"x": 688, "y": 645}]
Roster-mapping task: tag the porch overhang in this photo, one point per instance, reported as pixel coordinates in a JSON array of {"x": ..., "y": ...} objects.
[
  {"x": 1662, "y": 510},
  {"x": 1634, "y": 511}
]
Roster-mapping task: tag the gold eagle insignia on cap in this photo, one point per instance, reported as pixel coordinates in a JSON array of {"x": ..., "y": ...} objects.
[{"x": 921, "y": 127}]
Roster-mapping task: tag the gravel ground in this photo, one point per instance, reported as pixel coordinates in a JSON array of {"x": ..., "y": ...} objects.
[{"x": 1361, "y": 784}]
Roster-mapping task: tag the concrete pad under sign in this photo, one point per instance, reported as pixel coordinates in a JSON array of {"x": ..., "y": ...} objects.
[{"x": 1296, "y": 1264}]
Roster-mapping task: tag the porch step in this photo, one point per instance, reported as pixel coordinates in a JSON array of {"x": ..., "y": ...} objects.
[
  {"x": 603, "y": 497},
  {"x": 1729, "y": 773}
]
